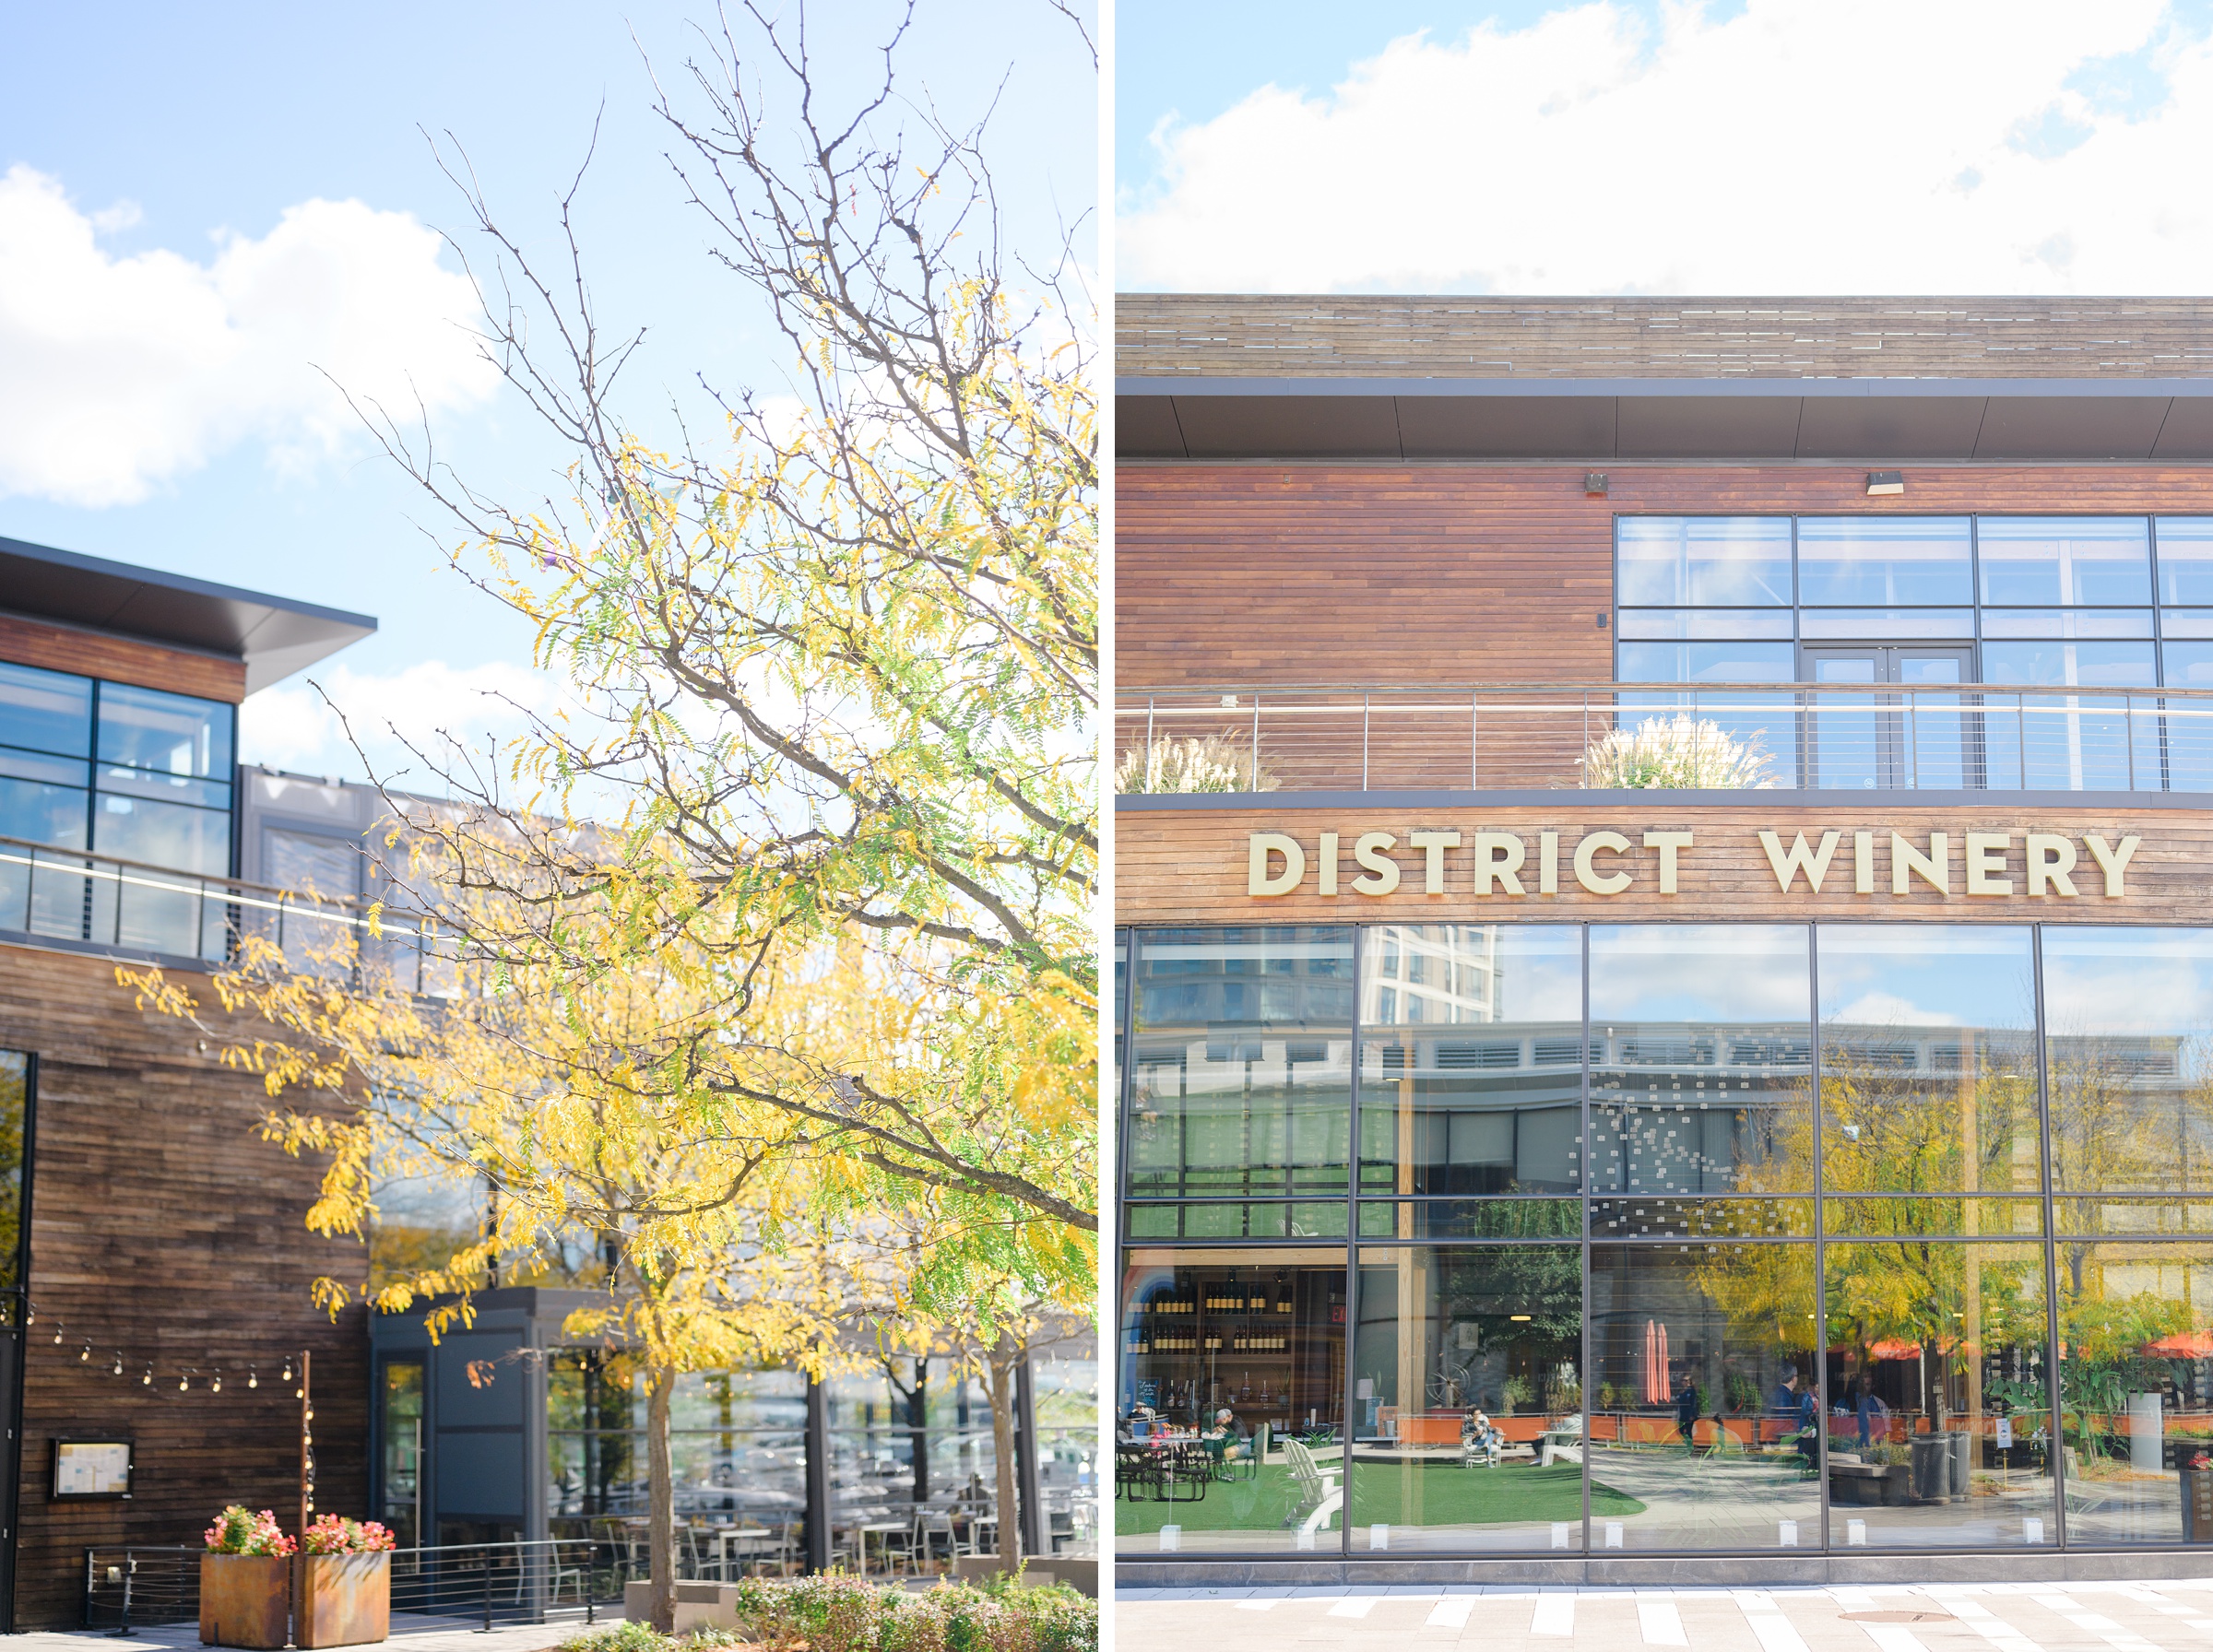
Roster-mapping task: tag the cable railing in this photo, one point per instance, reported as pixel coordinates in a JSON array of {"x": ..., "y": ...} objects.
[
  {"x": 101, "y": 900},
  {"x": 1884, "y": 736},
  {"x": 478, "y": 1584}
]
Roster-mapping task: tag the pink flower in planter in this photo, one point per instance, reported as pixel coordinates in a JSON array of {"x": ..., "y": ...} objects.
[
  {"x": 239, "y": 1532},
  {"x": 335, "y": 1534}
]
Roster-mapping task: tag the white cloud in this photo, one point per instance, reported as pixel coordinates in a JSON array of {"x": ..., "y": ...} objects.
[
  {"x": 429, "y": 705},
  {"x": 122, "y": 372},
  {"x": 1880, "y": 1009},
  {"x": 1802, "y": 146}
]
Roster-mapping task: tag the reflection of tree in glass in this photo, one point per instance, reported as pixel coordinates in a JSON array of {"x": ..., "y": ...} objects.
[
  {"x": 1964, "y": 1315},
  {"x": 1915, "y": 1109},
  {"x": 2115, "y": 1342},
  {"x": 12, "y": 1098},
  {"x": 2128, "y": 1110}
]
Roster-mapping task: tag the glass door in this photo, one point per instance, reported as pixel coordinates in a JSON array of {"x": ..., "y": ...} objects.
[{"x": 1920, "y": 738}]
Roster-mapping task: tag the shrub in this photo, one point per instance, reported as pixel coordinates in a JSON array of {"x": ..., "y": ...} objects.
[
  {"x": 237, "y": 1530},
  {"x": 1680, "y": 752},
  {"x": 1212, "y": 764},
  {"x": 842, "y": 1614}
]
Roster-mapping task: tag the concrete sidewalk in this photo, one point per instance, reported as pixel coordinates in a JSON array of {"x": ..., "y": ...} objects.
[{"x": 2165, "y": 1616}]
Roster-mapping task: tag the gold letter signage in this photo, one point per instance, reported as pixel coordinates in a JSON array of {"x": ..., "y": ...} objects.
[{"x": 1492, "y": 864}]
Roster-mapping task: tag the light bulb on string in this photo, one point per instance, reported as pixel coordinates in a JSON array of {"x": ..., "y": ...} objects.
[
  {"x": 253, "y": 1377},
  {"x": 286, "y": 1374},
  {"x": 183, "y": 1381},
  {"x": 84, "y": 1355},
  {"x": 57, "y": 1334},
  {"x": 119, "y": 1362},
  {"x": 216, "y": 1385},
  {"x": 147, "y": 1380}
]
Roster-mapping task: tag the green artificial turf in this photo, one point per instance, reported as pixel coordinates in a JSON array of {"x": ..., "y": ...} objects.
[{"x": 1508, "y": 1494}]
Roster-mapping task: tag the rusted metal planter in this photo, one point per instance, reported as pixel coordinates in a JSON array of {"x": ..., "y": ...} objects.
[
  {"x": 345, "y": 1600},
  {"x": 245, "y": 1600}
]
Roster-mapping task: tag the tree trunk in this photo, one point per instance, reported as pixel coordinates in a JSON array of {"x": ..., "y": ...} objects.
[
  {"x": 1000, "y": 1370},
  {"x": 660, "y": 1489}
]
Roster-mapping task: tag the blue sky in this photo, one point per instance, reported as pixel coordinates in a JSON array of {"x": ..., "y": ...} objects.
[
  {"x": 1742, "y": 146},
  {"x": 157, "y": 162}
]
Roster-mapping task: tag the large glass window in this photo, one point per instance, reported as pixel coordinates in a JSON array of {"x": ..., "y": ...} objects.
[
  {"x": 737, "y": 1442},
  {"x": 2135, "y": 1387},
  {"x": 1713, "y": 561},
  {"x": 1242, "y": 1063},
  {"x": 1472, "y": 1059},
  {"x": 399, "y": 1475},
  {"x": 1938, "y": 1400},
  {"x": 1701, "y": 1059},
  {"x": 1873, "y": 561},
  {"x": 1229, "y": 1421},
  {"x": 1928, "y": 1059},
  {"x": 1468, "y": 1400},
  {"x": 1706, "y": 1407},
  {"x": 1751, "y": 1308},
  {"x": 2128, "y": 1017},
  {"x": 2075, "y": 562}
]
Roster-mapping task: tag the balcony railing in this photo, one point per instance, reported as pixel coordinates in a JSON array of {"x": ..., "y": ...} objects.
[
  {"x": 98, "y": 899},
  {"x": 1965, "y": 737}
]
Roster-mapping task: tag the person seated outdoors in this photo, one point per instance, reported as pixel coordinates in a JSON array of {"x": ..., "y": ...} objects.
[
  {"x": 1228, "y": 1439},
  {"x": 1479, "y": 1436}
]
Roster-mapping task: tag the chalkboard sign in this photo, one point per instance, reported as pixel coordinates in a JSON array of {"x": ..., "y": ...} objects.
[{"x": 89, "y": 1470}]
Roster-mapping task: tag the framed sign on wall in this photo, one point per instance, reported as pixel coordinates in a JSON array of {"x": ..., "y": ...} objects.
[{"x": 86, "y": 1469}]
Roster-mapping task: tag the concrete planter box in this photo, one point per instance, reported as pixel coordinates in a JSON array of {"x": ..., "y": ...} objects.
[
  {"x": 698, "y": 1605},
  {"x": 246, "y": 1601},
  {"x": 345, "y": 1600}
]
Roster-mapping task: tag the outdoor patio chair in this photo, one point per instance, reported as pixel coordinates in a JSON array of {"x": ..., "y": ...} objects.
[
  {"x": 934, "y": 1537},
  {"x": 1319, "y": 1495},
  {"x": 1186, "y": 1473},
  {"x": 1136, "y": 1471}
]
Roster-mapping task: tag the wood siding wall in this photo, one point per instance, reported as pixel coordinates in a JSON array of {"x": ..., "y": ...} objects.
[
  {"x": 1260, "y": 576},
  {"x": 1279, "y": 335},
  {"x": 1190, "y": 865},
  {"x": 120, "y": 659},
  {"x": 161, "y": 1225}
]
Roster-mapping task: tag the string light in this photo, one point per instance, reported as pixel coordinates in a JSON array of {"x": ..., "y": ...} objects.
[
  {"x": 119, "y": 1362},
  {"x": 286, "y": 1374},
  {"x": 183, "y": 1381},
  {"x": 147, "y": 1380},
  {"x": 253, "y": 1377},
  {"x": 57, "y": 1333},
  {"x": 85, "y": 1354},
  {"x": 216, "y": 1385}
]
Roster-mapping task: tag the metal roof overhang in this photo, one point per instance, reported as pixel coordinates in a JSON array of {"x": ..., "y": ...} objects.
[
  {"x": 1913, "y": 420},
  {"x": 273, "y": 635}
]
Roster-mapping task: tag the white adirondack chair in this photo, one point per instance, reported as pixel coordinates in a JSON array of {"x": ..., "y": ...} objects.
[{"x": 1319, "y": 1495}]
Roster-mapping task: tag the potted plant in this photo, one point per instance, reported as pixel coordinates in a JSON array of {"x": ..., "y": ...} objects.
[
  {"x": 345, "y": 1596},
  {"x": 246, "y": 1582},
  {"x": 1512, "y": 1392},
  {"x": 2198, "y": 1499}
]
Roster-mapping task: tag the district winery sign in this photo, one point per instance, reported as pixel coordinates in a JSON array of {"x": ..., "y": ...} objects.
[{"x": 1512, "y": 864}]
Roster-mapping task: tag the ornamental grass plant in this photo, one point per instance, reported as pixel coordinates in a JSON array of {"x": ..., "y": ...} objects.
[
  {"x": 1209, "y": 764},
  {"x": 1676, "y": 753}
]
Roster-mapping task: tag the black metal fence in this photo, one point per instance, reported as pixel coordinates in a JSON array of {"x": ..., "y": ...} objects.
[{"x": 482, "y": 1584}]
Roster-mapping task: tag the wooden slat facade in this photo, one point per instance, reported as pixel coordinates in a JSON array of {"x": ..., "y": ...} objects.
[
  {"x": 1254, "y": 575},
  {"x": 163, "y": 1226},
  {"x": 1367, "y": 336},
  {"x": 120, "y": 659},
  {"x": 1190, "y": 865}
]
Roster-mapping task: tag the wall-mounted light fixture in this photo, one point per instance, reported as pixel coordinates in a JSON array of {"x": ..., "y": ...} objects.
[
  {"x": 1595, "y": 483},
  {"x": 1880, "y": 482}
]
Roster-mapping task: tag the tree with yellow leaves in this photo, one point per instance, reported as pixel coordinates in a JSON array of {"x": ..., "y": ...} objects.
[
  {"x": 595, "y": 1113},
  {"x": 835, "y": 671}
]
